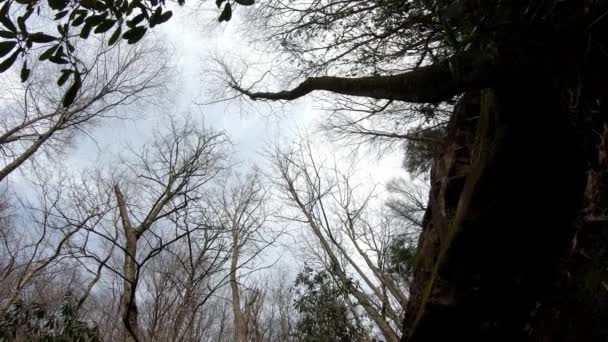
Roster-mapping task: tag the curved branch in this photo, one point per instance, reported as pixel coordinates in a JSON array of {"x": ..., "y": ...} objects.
[{"x": 428, "y": 84}]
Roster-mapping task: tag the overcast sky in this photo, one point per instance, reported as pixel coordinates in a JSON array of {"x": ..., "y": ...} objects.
[{"x": 191, "y": 38}]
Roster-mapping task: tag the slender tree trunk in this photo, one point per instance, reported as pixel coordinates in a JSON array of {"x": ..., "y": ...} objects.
[
  {"x": 240, "y": 325},
  {"x": 129, "y": 302},
  {"x": 389, "y": 333},
  {"x": 183, "y": 310},
  {"x": 130, "y": 272},
  {"x": 25, "y": 155}
]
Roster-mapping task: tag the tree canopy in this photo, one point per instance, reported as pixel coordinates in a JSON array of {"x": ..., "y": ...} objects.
[{"x": 50, "y": 31}]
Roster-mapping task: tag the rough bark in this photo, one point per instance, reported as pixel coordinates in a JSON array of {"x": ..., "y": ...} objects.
[
  {"x": 428, "y": 84},
  {"x": 130, "y": 277},
  {"x": 510, "y": 249}
]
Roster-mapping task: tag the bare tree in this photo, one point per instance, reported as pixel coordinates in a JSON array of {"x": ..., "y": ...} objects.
[
  {"x": 269, "y": 308},
  {"x": 154, "y": 194},
  {"x": 181, "y": 282},
  {"x": 173, "y": 171},
  {"x": 34, "y": 118},
  {"x": 49, "y": 225},
  {"x": 242, "y": 210},
  {"x": 349, "y": 238}
]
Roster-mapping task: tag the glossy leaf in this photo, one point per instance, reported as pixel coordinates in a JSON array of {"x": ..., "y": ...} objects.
[
  {"x": 40, "y": 37},
  {"x": 7, "y": 34},
  {"x": 58, "y": 60},
  {"x": 21, "y": 24},
  {"x": 5, "y": 9},
  {"x": 245, "y": 2},
  {"x": 6, "y": 47},
  {"x": 61, "y": 14},
  {"x": 6, "y": 22},
  {"x": 70, "y": 95},
  {"x": 7, "y": 63},
  {"x": 105, "y": 26},
  {"x": 58, "y": 4},
  {"x": 136, "y": 20},
  {"x": 86, "y": 30},
  {"x": 79, "y": 20},
  {"x": 48, "y": 53},
  {"x": 165, "y": 17},
  {"x": 65, "y": 75},
  {"x": 115, "y": 36},
  {"x": 25, "y": 72},
  {"x": 135, "y": 34},
  {"x": 226, "y": 14},
  {"x": 95, "y": 20}
]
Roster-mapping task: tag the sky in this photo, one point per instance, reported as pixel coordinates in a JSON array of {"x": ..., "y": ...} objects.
[{"x": 191, "y": 37}]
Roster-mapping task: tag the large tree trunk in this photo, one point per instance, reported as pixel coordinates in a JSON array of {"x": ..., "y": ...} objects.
[{"x": 510, "y": 249}]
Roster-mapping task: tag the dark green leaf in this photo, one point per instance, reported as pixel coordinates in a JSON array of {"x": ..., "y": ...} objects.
[
  {"x": 154, "y": 19},
  {"x": 79, "y": 11},
  {"x": 65, "y": 75},
  {"x": 60, "y": 53},
  {"x": 105, "y": 26},
  {"x": 48, "y": 53},
  {"x": 58, "y": 60},
  {"x": 61, "y": 14},
  {"x": 219, "y": 3},
  {"x": 226, "y": 14},
  {"x": 59, "y": 57},
  {"x": 86, "y": 30},
  {"x": 136, "y": 20},
  {"x": 7, "y": 63},
  {"x": 124, "y": 7},
  {"x": 165, "y": 17},
  {"x": 5, "y": 9},
  {"x": 144, "y": 11},
  {"x": 70, "y": 95},
  {"x": 6, "y": 22},
  {"x": 28, "y": 13},
  {"x": 93, "y": 5},
  {"x": 79, "y": 20},
  {"x": 115, "y": 35},
  {"x": 6, "y": 47},
  {"x": 135, "y": 34},
  {"x": 245, "y": 2},
  {"x": 58, "y": 5},
  {"x": 40, "y": 37},
  {"x": 7, "y": 34},
  {"x": 21, "y": 24},
  {"x": 25, "y": 72},
  {"x": 95, "y": 20},
  {"x": 63, "y": 29},
  {"x": 132, "y": 6}
]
